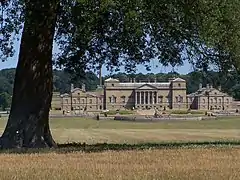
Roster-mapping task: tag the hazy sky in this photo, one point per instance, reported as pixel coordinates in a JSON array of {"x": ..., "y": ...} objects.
[{"x": 12, "y": 62}]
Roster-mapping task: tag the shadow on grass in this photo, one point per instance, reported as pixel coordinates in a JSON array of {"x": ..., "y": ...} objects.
[{"x": 90, "y": 148}]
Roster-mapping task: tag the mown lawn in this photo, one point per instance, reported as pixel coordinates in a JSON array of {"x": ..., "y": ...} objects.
[{"x": 110, "y": 131}]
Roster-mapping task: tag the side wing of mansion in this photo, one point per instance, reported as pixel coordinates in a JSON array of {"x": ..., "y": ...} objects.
[{"x": 116, "y": 95}]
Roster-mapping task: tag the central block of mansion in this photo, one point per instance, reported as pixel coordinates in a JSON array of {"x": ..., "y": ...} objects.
[{"x": 115, "y": 95}]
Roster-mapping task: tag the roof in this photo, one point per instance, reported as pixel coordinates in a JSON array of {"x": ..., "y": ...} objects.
[
  {"x": 137, "y": 84},
  {"x": 204, "y": 91},
  {"x": 111, "y": 80},
  {"x": 76, "y": 89},
  {"x": 64, "y": 95},
  {"x": 178, "y": 80}
]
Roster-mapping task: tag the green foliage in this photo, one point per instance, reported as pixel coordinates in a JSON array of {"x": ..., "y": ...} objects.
[
  {"x": 127, "y": 33},
  {"x": 101, "y": 147},
  {"x": 5, "y": 101}
]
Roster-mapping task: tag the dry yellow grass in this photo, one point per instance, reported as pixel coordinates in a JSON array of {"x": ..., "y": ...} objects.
[{"x": 177, "y": 164}]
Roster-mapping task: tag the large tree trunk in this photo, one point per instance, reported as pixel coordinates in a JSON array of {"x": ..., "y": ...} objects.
[{"x": 28, "y": 123}]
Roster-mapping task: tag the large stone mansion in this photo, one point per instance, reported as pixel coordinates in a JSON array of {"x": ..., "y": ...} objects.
[{"x": 115, "y": 95}]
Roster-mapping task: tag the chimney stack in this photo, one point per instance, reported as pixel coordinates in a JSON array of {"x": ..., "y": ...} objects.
[
  {"x": 134, "y": 80},
  {"x": 83, "y": 87},
  {"x": 72, "y": 87},
  {"x": 220, "y": 88},
  {"x": 100, "y": 76},
  {"x": 200, "y": 86},
  {"x": 208, "y": 86},
  {"x": 155, "y": 80}
]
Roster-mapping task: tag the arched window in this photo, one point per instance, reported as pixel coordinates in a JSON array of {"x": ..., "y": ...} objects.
[{"x": 227, "y": 100}]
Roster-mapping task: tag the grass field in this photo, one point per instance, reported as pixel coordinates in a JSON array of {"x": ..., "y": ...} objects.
[
  {"x": 220, "y": 162},
  {"x": 174, "y": 164},
  {"x": 109, "y": 131}
]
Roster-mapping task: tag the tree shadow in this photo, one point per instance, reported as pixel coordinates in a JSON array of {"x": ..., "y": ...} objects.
[{"x": 91, "y": 148}]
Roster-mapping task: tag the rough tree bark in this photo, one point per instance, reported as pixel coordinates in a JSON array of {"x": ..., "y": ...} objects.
[{"x": 28, "y": 123}]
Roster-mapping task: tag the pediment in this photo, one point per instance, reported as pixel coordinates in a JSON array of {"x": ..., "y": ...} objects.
[
  {"x": 65, "y": 95},
  {"x": 77, "y": 91},
  {"x": 216, "y": 92},
  {"x": 147, "y": 87}
]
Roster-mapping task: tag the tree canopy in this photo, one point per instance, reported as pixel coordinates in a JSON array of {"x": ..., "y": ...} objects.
[{"x": 127, "y": 33}]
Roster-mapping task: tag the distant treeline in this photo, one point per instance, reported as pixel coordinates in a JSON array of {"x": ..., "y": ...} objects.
[{"x": 61, "y": 80}]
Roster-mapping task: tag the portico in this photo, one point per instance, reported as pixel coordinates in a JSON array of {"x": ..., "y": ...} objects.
[{"x": 145, "y": 97}]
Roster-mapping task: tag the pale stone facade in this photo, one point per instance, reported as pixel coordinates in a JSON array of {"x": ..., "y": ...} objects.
[
  {"x": 209, "y": 98},
  {"x": 78, "y": 101},
  {"x": 145, "y": 95},
  {"x": 115, "y": 95}
]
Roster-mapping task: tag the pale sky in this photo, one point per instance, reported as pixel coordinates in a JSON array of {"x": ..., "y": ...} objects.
[{"x": 12, "y": 63}]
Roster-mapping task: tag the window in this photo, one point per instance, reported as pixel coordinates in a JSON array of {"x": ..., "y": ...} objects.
[
  {"x": 179, "y": 85},
  {"x": 181, "y": 99},
  {"x": 204, "y": 101},
  {"x": 168, "y": 99},
  {"x": 227, "y": 100},
  {"x": 123, "y": 99},
  {"x": 66, "y": 101},
  {"x": 90, "y": 101},
  {"x": 83, "y": 101},
  {"x": 211, "y": 100},
  {"x": 112, "y": 85},
  {"x": 176, "y": 98},
  {"x": 220, "y": 101},
  {"x": 160, "y": 99},
  {"x": 74, "y": 101},
  {"x": 112, "y": 99}
]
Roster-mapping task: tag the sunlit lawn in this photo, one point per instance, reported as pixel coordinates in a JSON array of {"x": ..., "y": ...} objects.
[{"x": 110, "y": 131}]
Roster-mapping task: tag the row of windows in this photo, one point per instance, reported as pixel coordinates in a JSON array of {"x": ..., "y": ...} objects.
[
  {"x": 215, "y": 100},
  {"x": 179, "y": 99},
  {"x": 215, "y": 107},
  {"x": 80, "y": 107},
  {"x": 78, "y": 101}
]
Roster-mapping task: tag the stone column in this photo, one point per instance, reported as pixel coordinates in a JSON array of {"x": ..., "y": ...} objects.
[
  {"x": 144, "y": 97},
  {"x": 136, "y": 97},
  {"x": 156, "y": 97},
  {"x": 153, "y": 93},
  {"x": 149, "y": 97},
  {"x": 140, "y": 97}
]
